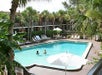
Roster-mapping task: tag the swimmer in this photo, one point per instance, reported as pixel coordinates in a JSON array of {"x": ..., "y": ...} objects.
[
  {"x": 37, "y": 52},
  {"x": 45, "y": 52}
]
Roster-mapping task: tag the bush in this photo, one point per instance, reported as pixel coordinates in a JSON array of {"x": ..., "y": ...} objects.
[
  {"x": 37, "y": 33},
  {"x": 49, "y": 33}
]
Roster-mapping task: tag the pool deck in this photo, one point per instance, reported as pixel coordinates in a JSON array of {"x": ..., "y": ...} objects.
[{"x": 36, "y": 70}]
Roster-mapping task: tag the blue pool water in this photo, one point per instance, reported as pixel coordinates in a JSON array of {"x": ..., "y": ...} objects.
[{"x": 28, "y": 55}]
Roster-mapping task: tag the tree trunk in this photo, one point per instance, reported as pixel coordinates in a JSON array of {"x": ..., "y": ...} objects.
[
  {"x": 10, "y": 29},
  {"x": 12, "y": 18}
]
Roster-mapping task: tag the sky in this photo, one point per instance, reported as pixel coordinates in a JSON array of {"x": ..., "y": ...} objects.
[{"x": 52, "y": 6}]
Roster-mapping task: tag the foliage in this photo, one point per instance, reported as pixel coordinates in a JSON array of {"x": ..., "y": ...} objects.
[
  {"x": 6, "y": 46},
  {"x": 3, "y": 29},
  {"x": 4, "y": 16},
  {"x": 50, "y": 33},
  {"x": 37, "y": 33},
  {"x": 87, "y": 16},
  {"x": 91, "y": 29},
  {"x": 29, "y": 16}
]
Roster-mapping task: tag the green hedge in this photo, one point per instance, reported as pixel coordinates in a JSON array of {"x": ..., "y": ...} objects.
[{"x": 49, "y": 33}]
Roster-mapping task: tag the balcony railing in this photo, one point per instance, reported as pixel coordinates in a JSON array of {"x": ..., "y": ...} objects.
[
  {"x": 97, "y": 69},
  {"x": 17, "y": 25}
]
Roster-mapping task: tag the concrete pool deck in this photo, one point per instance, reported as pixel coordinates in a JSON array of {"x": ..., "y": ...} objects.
[{"x": 85, "y": 69}]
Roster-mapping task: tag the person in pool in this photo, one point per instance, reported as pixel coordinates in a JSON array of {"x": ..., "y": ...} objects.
[
  {"x": 45, "y": 52},
  {"x": 37, "y": 52}
]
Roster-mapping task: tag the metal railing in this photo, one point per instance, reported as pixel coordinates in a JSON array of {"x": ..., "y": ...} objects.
[{"x": 96, "y": 69}]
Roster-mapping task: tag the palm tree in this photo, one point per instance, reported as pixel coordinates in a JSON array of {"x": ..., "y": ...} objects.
[
  {"x": 66, "y": 6},
  {"x": 88, "y": 16},
  {"x": 94, "y": 13},
  {"x": 14, "y": 6},
  {"x": 30, "y": 16},
  {"x": 45, "y": 16},
  {"x": 60, "y": 15},
  {"x": 52, "y": 19}
]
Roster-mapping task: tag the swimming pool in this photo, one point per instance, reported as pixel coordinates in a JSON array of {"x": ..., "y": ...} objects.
[{"x": 29, "y": 57}]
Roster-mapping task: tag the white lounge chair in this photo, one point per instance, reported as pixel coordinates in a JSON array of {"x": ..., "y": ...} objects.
[
  {"x": 20, "y": 43},
  {"x": 37, "y": 37},
  {"x": 72, "y": 36},
  {"x": 77, "y": 36},
  {"x": 44, "y": 37}
]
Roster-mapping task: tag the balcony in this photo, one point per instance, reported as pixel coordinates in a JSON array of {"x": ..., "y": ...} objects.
[{"x": 97, "y": 69}]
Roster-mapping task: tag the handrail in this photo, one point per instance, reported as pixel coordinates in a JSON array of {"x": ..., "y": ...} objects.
[{"x": 96, "y": 69}]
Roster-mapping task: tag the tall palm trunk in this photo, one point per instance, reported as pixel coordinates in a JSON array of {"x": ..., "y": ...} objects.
[
  {"x": 10, "y": 31},
  {"x": 12, "y": 18}
]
